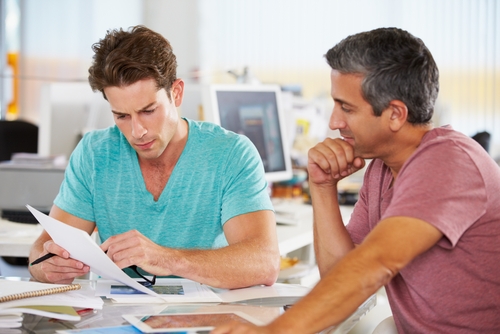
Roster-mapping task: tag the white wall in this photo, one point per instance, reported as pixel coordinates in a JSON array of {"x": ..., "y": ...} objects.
[
  {"x": 179, "y": 22},
  {"x": 56, "y": 40},
  {"x": 282, "y": 41}
]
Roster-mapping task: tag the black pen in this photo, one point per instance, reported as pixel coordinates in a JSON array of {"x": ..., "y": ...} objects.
[{"x": 43, "y": 258}]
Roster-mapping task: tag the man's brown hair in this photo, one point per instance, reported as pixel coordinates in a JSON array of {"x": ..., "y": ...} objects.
[{"x": 124, "y": 57}]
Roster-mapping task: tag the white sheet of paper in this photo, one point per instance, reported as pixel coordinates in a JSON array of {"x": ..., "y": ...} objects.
[
  {"x": 261, "y": 292},
  {"x": 82, "y": 248},
  {"x": 194, "y": 292}
]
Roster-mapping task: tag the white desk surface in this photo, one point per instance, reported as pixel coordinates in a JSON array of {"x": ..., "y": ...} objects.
[
  {"x": 16, "y": 238},
  {"x": 292, "y": 237},
  {"x": 111, "y": 315}
]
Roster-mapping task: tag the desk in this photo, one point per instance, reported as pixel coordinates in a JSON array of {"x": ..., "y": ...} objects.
[
  {"x": 297, "y": 241},
  {"x": 16, "y": 240},
  {"x": 293, "y": 237},
  {"x": 111, "y": 315}
]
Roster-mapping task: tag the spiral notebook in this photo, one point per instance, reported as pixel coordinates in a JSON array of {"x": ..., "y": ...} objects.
[
  {"x": 22, "y": 289},
  {"x": 51, "y": 300}
]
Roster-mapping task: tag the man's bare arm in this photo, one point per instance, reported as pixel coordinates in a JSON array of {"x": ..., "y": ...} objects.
[
  {"x": 251, "y": 258},
  {"x": 328, "y": 163},
  {"x": 393, "y": 244},
  {"x": 60, "y": 268},
  {"x": 331, "y": 239}
]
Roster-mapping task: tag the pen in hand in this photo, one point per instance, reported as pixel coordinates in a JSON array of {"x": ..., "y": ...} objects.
[{"x": 43, "y": 258}]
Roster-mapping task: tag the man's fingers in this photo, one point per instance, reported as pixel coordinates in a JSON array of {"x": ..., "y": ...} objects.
[
  {"x": 333, "y": 156},
  {"x": 64, "y": 271}
]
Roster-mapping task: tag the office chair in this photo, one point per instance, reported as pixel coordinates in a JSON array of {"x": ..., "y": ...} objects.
[
  {"x": 17, "y": 136},
  {"x": 483, "y": 138}
]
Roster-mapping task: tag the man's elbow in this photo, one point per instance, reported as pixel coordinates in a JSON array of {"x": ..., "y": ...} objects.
[{"x": 271, "y": 268}]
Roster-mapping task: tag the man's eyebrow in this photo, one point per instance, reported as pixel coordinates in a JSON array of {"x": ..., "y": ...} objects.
[
  {"x": 147, "y": 107},
  {"x": 142, "y": 109},
  {"x": 342, "y": 101},
  {"x": 117, "y": 113}
]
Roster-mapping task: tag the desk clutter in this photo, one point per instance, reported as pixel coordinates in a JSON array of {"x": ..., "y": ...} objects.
[
  {"x": 292, "y": 200},
  {"x": 56, "y": 301},
  {"x": 74, "y": 305},
  {"x": 85, "y": 311},
  {"x": 260, "y": 302}
]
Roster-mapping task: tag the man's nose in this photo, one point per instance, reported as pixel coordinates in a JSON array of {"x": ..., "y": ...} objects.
[
  {"x": 337, "y": 120},
  {"x": 138, "y": 130}
]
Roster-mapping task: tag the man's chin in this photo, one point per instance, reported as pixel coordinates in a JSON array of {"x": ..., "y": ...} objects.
[{"x": 148, "y": 156}]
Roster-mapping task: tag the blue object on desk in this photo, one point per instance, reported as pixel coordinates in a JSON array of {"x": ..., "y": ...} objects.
[{"x": 103, "y": 330}]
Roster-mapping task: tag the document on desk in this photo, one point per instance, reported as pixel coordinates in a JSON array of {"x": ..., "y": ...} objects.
[
  {"x": 278, "y": 294},
  {"x": 179, "y": 290},
  {"x": 82, "y": 248},
  {"x": 172, "y": 290}
]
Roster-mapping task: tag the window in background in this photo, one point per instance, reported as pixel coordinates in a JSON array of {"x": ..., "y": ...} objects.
[{"x": 9, "y": 49}]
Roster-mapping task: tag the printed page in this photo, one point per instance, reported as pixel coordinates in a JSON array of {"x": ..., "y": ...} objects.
[
  {"x": 81, "y": 247},
  {"x": 172, "y": 290}
]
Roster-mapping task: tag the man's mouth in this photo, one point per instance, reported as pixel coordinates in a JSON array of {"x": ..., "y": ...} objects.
[
  {"x": 346, "y": 138},
  {"x": 145, "y": 146}
]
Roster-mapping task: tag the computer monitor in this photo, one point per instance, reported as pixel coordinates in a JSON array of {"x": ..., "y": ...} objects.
[
  {"x": 67, "y": 111},
  {"x": 256, "y": 112}
]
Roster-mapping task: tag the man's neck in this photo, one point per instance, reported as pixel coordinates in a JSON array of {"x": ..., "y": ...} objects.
[
  {"x": 168, "y": 159},
  {"x": 156, "y": 172},
  {"x": 406, "y": 143}
]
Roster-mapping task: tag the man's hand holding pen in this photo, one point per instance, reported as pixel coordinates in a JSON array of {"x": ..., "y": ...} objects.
[
  {"x": 57, "y": 266},
  {"x": 43, "y": 258}
]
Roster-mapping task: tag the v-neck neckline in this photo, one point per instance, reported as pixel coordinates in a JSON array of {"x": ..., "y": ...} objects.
[{"x": 166, "y": 189}]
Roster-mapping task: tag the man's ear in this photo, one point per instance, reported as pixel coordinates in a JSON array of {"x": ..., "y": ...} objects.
[
  {"x": 398, "y": 114},
  {"x": 178, "y": 92}
]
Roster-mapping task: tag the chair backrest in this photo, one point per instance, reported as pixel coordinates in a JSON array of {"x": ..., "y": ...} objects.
[
  {"x": 17, "y": 136},
  {"x": 483, "y": 138}
]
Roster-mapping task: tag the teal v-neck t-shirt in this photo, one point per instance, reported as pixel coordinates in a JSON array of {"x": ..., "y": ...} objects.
[{"x": 219, "y": 175}]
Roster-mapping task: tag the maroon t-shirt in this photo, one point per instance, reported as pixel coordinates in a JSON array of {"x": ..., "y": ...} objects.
[{"x": 453, "y": 184}]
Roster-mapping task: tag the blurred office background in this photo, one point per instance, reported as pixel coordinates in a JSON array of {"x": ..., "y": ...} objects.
[
  {"x": 277, "y": 41},
  {"x": 46, "y": 42}
]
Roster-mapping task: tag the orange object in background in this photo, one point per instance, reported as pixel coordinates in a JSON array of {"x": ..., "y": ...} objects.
[{"x": 13, "y": 106}]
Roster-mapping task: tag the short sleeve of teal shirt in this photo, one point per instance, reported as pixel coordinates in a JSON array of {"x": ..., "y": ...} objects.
[{"x": 218, "y": 176}]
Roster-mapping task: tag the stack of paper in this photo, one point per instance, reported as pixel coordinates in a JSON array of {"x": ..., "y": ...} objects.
[
  {"x": 59, "y": 305},
  {"x": 12, "y": 318}
]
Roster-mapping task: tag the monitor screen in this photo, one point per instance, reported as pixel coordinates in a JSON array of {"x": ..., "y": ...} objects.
[{"x": 254, "y": 111}]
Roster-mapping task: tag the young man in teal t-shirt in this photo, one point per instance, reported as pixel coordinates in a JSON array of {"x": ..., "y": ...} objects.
[{"x": 168, "y": 195}]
